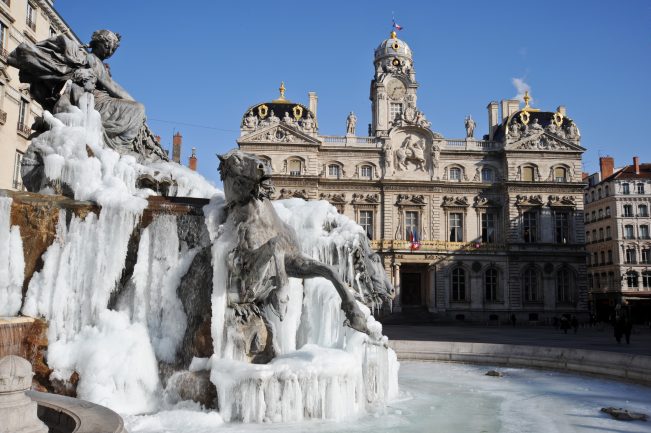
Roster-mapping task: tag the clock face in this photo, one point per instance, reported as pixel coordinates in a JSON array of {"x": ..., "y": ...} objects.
[{"x": 396, "y": 90}]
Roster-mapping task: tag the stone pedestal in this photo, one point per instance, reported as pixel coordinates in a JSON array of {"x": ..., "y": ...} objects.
[{"x": 17, "y": 410}]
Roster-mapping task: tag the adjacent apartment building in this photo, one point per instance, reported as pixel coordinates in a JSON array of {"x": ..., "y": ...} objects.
[
  {"x": 617, "y": 224},
  {"x": 468, "y": 228},
  {"x": 20, "y": 21}
]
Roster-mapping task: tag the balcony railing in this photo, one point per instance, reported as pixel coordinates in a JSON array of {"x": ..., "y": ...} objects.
[
  {"x": 342, "y": 140},
  {"x": 436, "y": 245},
  {"x": 24, "y": 130},
  {"x": 3, "y": 117}
]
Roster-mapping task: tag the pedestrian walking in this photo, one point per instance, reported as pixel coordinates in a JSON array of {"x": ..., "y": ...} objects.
[{"x": 575, "y": 323}]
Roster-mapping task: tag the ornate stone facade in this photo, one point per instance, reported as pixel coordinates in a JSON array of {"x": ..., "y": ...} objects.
[{"x": 472, "y": 229}]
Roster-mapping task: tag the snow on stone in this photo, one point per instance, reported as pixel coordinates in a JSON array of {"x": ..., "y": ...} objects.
[{"x": 12, "y": 262}]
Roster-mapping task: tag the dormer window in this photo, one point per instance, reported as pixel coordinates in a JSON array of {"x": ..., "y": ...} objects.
[{"x": 366, "y": 172}]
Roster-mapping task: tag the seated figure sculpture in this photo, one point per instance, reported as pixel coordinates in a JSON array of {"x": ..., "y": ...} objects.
[
  {"x": 267, "y": 251},
  {"x": 48, "y": 65}
]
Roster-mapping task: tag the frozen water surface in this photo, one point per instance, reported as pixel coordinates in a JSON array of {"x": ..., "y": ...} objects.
[{"x": 453, "y": 398}]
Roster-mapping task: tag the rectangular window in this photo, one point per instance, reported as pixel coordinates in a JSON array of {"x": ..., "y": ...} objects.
[
  {"x": 333, "y": 170},
  {"x": 643, "y": 210},
  {"x": 53, "y": 32},
  {"x": 646, "y": 256},
  {"x": 295, "y": 168},
  {"x": 395, "y": 110},
  {"x": 530, "y": 226},
  {"x": 562, "y": 227},
  {"x": 31, "y": 16},
  {"x": 644, "y": 232},
  {"x": 366, "y": 221},
  {"x": 610, "y": 256},
  {"x": 488, "y": 227},
  {"x": 646, "y": 279},
  {"x": 18, "y": 180},
  {"x": 608, "y": 232},
  {"x": 22, "y": 113},
  {"x": 559, "y": 175},
  {"x": 640, "y": 188},
  {"x": 367, "y": 171},
  {"x": 630, "y": 256},
  {"x": 411, "y": 224},
  {"x": 3, "y": 41},
  {"x": 628, "y": 210},
  {"x": 625, "y": 189},
  {"x": 456, "y": 227},
  {"x": 628, "y": 232}
]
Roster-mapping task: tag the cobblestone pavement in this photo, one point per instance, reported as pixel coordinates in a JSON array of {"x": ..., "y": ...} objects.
[{"x": 600, "y": 337}]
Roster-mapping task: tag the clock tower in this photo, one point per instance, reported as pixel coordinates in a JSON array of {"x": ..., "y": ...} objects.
[{"x": 394, "y": 85}]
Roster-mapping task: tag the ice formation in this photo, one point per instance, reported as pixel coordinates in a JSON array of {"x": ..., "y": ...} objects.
[
  {"x": 12, "y": 262},
  {"x": 325, "y": 370},
  {"x": 117, "y": 341}
]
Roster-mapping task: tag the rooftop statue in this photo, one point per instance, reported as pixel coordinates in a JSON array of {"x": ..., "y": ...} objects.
[{"x": 53, "y": 67}]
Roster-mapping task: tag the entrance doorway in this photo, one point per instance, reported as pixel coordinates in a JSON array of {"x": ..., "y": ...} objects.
[{"x": 412, "y": 285}]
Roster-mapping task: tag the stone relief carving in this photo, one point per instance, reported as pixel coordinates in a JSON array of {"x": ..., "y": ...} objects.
[
  {"x": 253, "y": 122},
  {"x": 366, "y": 198},
  {"x": 410, "y": 152},
  {"x": 533, "y": 136},
  {"x": 531, "y": 200},
  {"x": 334, "y": 198},
  {"x": 455, "y": 201},
  {"x": 288, "y": 193},
  {"x": 411, "y": 116},
  {"x": 560, "y": 201},
  {"x": 406, "y": 199}
]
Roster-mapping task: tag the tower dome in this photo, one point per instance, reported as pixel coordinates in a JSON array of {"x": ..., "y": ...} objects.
[{"x": 392, "y": 47}]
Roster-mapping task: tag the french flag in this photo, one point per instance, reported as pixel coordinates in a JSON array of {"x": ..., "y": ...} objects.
[
  {"x": 413, "y": 238},
  {"x": 396, "y": 25}
]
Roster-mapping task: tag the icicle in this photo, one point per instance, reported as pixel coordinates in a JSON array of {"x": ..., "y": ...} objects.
[{"x": 12, "y": 262}]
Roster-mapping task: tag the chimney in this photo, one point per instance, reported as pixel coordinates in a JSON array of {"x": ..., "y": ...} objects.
[
  {"x": 492, "y": 118},
  {"x": 606, "y": 166},
  {"x": 313, "y": 102},
  {"x": 192, "y": 161},
  {"x": 509, "y": 106},
  {"x": 561, "y": 109},
  {"x": 636, "y": 164},
  {"x": 177, "y": 141}
]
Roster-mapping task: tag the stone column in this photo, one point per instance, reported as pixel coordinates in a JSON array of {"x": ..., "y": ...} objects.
[
  {"x": 432, "y": 308},
  {"x": 17, "y": 410},
  {"x": 397, "y": 305}
]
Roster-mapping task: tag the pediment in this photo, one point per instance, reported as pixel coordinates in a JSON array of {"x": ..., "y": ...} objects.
[
  {"x": 279, "y": 133},
  {"x": 545, "y": 141}
]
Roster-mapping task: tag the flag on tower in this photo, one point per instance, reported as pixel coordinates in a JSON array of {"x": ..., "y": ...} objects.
[{"x": 396, "y": 25}]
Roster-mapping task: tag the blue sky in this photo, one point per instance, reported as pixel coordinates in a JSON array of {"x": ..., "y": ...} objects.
[{"x": 204, "y": 62}]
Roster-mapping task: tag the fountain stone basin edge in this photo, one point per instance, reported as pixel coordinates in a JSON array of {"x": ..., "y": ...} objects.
[{"x": 610, "y": 365}]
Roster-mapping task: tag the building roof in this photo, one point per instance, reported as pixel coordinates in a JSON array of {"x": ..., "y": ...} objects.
[
  {"x": 392, "y": 47},
  {"x": 628, "y": 173}
]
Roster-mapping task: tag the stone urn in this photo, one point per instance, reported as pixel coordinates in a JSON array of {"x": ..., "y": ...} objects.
[{"x": 17, "y": 410}]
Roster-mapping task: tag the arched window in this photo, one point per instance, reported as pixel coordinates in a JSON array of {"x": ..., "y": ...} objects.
[
  {"x": 487, "y": 174},
  {"x": 608, "y": 235},
  {"x": 491, "y": 285},
  {"x": 527, "y": 174},
  {"x": 592, "y": 195},
  {"x": 560, "y": 174},
  {"x": 606, "y": 192},
  {"x": 564, "y": 286},
  {"x": 601, "y": 213},
  {"x": 603, "y": 258},
  {"x": 599, "y": 193},
  {"x": 455, "y": 173},
  {"x": 601, "y": 234},
  {"x": 334, "y": 170},
  {"x": 631, "y": 279},
  {"x": 607, "y": 211},
  {"x": 458, "y": 284},
  {"x": 366, "y": 172},
  {"x": 531, "y": 286}
]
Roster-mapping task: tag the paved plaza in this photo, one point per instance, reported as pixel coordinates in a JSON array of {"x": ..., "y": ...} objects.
[{"x": 599, "y": 337}]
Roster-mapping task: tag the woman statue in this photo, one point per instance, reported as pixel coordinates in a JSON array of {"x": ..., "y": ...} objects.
[{"x": 49, "y": 64}]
